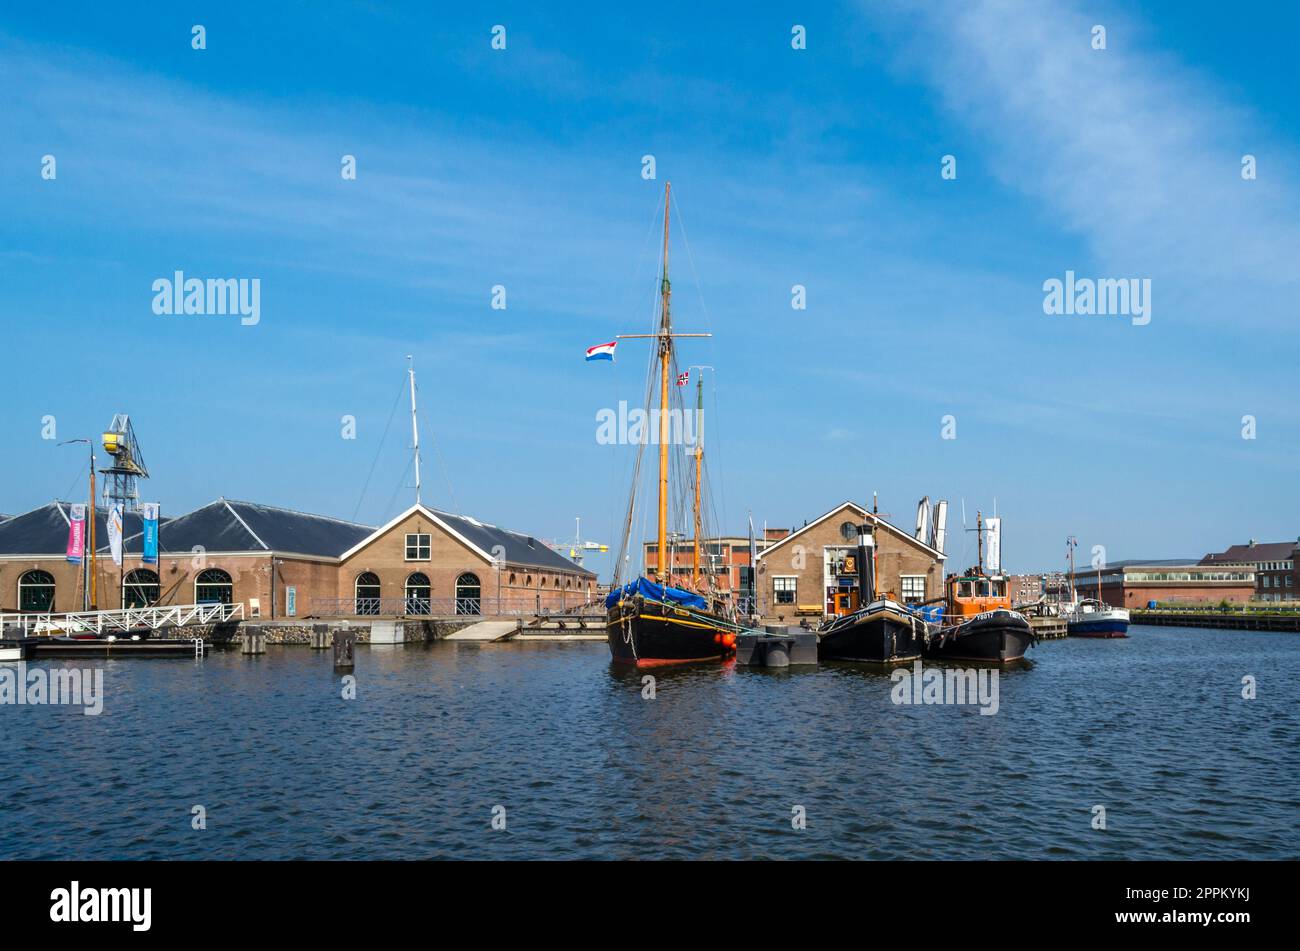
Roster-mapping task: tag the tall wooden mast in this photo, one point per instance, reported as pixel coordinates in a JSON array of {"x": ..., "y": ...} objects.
[
  {"x": 94, "y": 581},
  {"x": 664, "y": 337},
  {"x": 699, "y": 466},
  {"x": 665, "y": 368}
]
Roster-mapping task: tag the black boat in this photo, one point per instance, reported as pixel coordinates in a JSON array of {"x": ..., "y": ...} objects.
[
  {"x": 649, "y": 625},
  {"x": 979, "y": 624},
  {"x": 881, "y": 631},
  {"x": 998, "y": 636}
]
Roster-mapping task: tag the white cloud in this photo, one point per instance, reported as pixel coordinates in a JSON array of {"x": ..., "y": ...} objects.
[{"x": 1128, "y": 147}]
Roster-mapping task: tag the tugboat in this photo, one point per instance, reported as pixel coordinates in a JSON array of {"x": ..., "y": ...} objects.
[
  {"x": 980, "y": 624},
  {"x": 880, "y": 631},
  {"x": 649, "y": 623}
]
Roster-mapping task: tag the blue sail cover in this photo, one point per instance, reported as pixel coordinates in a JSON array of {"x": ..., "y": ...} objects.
[
  {"x": 656, "y": 592},
  {"x": 931, "y": 613}
]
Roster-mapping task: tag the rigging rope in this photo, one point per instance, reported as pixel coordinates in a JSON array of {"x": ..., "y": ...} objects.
[{"x": 378, "y": 450}]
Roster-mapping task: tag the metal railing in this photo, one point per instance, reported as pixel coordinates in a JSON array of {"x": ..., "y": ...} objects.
[
  {"x": 124, "y": 620},
  {"x": 1279, "y": 608},
  {"x": 448, "y": 607}
]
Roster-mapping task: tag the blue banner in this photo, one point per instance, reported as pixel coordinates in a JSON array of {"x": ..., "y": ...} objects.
[{"x": 149, "y": 517}]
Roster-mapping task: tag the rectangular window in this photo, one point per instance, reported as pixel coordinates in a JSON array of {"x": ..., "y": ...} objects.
[
  {"x": 913, "y": 588},
  {"x": 417, "y": 547},
  {"x": 783, "y": 590}
]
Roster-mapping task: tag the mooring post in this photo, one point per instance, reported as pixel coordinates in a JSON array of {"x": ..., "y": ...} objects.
[
  {"x": 254, "y": 641},
  {"x": 320, "y": 637},
  {"x": 345, "y": 643}
]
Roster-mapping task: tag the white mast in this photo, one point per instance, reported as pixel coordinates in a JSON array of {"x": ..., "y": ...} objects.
[{"x": 415, "y": 428}]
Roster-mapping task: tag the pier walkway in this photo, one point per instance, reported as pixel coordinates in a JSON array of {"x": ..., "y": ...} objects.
[
  {"x": 123, "y": 621},
  {"x": 485, "y": 631},
  {"x": 1251, "y": 619}
]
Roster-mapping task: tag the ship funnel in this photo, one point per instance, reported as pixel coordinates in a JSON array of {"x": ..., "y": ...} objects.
[
  {"x": 940, "y": 525},
  {"x": 866, "y": 565},
  {"x": 923, "y": 520}
]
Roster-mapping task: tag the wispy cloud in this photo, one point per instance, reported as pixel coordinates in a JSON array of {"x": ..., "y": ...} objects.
[{"x": 1126, "y": 146}]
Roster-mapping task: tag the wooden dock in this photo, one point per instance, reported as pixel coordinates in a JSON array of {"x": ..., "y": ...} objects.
[
  {"x": 1049, "y": 628},
  {"x": 39, "y": 647},
  {"x": 1233, "y": 620}
]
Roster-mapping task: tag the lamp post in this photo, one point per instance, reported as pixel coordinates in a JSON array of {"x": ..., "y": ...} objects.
[{"x": 89, "y": 587}]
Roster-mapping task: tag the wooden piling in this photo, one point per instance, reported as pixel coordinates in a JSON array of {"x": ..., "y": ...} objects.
[{"x": 345, "y": 649}]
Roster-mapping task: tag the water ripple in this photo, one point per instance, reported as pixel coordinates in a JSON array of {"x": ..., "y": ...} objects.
[{"x": 1152, "y": 728}]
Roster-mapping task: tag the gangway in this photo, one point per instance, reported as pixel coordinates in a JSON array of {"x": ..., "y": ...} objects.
[{"x": 124, "y": 620}]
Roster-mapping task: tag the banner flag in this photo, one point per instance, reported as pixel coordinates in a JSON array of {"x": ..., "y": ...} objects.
[
  {"x": 149, "y": 517},
  {"x": 115, "y": 532},
  {"x": 76, "y": 533},
  {"x": 993, "y": 548}
]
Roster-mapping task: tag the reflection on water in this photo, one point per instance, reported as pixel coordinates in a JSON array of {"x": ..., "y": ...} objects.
[{"x": 1152, "y": 727}]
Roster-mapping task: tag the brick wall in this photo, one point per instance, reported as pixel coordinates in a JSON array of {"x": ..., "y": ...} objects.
[
  {"x": 323, "y": 578},
  {"x": 802, "y": 558}
]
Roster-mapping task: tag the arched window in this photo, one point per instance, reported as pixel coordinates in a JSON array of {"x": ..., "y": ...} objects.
[
  {"x": 367, "y": 593},
  {"x": 418, "y": 590},
  {"x": 139, "y": 588},
  {"x": 213, "y": 585},
  {"x": 36, "y": 591},
  {"x": 467, "y": 594}
]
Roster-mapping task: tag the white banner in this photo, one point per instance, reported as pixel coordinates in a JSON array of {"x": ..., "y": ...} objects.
[
  {"x": 115, "y": 531},
  {"x": 993, "y": 546}
]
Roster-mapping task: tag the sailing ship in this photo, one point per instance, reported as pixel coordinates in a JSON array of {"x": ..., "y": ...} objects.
[
  {"x": 1092, "y": 617},
  {"x": 979, "y": 624},
  {"x": 881, "y": 630},
  {"x": 651, "y": 622}
]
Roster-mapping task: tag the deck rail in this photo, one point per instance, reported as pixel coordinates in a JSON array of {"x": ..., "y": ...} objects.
[{"x": 124, "y": 619}]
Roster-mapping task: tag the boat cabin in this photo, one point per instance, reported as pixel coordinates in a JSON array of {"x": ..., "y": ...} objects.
[{"x": 975, "y": 592}]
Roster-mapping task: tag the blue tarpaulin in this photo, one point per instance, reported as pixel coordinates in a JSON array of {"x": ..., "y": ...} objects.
[
  {"x": 656, "y": 592},
  {"x": 931, "y": 613}
]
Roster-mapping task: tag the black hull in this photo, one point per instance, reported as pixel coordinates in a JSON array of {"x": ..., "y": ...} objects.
[
  {"x": 648, "y": 634},
  {"x": 881, "y": 637},
  {"x": 999, "y": 637}
]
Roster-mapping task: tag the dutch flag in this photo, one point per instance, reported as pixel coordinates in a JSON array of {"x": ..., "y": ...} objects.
[{"x": 602, "y": 351}]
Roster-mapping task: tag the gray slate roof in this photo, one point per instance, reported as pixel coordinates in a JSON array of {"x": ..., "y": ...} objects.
[
  {"x": 228, "y": 525},
  {"x": 44, "y": 530},
  {"x": 517, "y": 549}
]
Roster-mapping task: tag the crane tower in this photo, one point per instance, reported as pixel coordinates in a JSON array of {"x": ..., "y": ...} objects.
[{"x": 121, "y": 478}]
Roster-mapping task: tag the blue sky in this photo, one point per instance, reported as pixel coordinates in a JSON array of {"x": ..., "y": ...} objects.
[{"x": 522, "y": 167}]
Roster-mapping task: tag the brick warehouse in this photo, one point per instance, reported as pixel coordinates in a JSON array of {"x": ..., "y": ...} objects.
[
  {"x": 1276, "y": 564},
  {"x": 805, "y": 574},
  {"x": 281, "y": 563}
]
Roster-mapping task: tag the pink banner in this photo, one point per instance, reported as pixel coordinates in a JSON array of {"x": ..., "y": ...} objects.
[{"x": 76, "y": 533}]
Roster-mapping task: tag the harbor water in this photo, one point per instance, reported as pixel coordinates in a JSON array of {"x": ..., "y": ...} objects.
[{"x": 562, "y": 746}]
